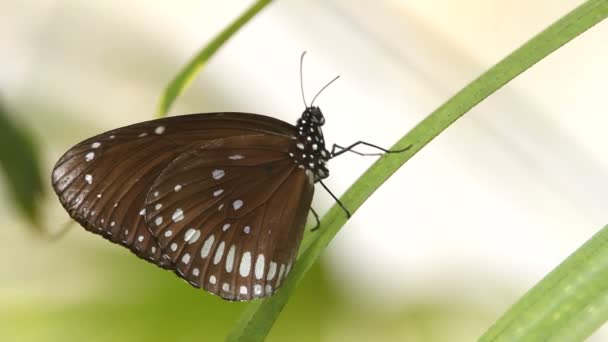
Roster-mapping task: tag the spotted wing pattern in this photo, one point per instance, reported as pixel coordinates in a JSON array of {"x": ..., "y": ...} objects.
[
  {"x": 103, "y": 181},
  {"x": 230, "y": 215}
]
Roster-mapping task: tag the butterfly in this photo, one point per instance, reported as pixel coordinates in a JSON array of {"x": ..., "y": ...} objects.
[{"x": 219, "y": 198}]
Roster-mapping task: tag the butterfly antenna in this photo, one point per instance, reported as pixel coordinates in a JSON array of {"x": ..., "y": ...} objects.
[
  {"x": 320, "y": 91},
  {"x": 302, "y": 79}
]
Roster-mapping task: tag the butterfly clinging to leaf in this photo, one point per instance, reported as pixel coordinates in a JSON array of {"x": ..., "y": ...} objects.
[{"x": 220, "y": 198}]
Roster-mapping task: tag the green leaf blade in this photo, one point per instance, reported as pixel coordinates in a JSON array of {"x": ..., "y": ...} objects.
[
  {"x": 567, "y": 305},
  {"x": 259, "y": 317},
  {"x": 191, "y": 70}
]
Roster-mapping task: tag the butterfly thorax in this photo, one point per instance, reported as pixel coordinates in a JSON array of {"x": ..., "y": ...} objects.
[{"x": 309, "y": 149}]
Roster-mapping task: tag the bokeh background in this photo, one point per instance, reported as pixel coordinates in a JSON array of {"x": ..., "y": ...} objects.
[{"x": 437, "y": 254}]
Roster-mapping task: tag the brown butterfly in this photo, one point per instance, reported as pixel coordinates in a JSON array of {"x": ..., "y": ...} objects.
[{"x": 220, "y": 198}]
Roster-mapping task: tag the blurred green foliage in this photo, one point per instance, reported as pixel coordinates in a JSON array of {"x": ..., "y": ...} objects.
[
  {"x": 19, "y": 160},
  {"x": 126, "y": 299}
]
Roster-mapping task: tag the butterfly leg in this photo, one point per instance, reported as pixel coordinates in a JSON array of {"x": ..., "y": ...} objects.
[
  {"x": 318, "y": 222},
  {"x": 337, "y": 150},
  {"x": 348, "y": 215}
]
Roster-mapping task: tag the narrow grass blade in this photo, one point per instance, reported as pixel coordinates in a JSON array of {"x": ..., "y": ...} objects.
[
  {"x": 258, "y": 318},
  {"x": 189, "y": 72},
  {"x": 567, "y": 305},
  {"x": 21, "y": 167}
]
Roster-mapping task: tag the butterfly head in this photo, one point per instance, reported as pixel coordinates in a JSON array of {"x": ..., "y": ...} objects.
[{"x": 314, "y": 116}]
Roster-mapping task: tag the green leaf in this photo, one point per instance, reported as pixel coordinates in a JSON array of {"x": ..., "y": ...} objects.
[
  {"x": 259, "y": 317},
  {"x": 20, "y": 163},
  {"x": 567, "y": 305},
  {"x": 189, "y": 72}
]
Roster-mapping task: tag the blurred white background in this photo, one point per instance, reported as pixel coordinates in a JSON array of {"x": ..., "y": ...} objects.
[{"x": 478, "y": 216}]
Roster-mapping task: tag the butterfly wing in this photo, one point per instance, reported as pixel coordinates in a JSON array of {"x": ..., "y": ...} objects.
[
  {"x": 103, "y": 181},
  {"x": 230, "y": 215}
]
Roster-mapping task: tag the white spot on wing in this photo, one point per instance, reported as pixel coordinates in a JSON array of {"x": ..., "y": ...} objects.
[
  {"x": 88, "y": 178},
  {"x": 168, "y": 233},
  {"x": 140, "y": 238},
  {"x": 226, "y": 287},
  {"x": 237, "y": 204},
  {"x": 226, "y": 226},
  {"x": 112, "y": 224},
  {"x": 230, "y": 258},
  {"x": 247, "y": 229},
  {"x": 272, "y": 270},
  {"x": 268, "y": 290},
  {"x": 288, "y": 269},
  {"x": 173, "y": 247},
  {"x": 186, "y": 258},
  {"x": 207, "y": 246},
  {"x": 257, "y": 289},
  {"x": 159, "y": 220},
  {"x": 158, "y": 206},
  {"x": 236, "y": 157},
  {"x": 243, "y": 290},
  {"x": 213, "y": 280},
  {"x": 219, "y": 253},
  {"x": 195, "y": 272},
  {"x": 142, "y": 212},
  {"x": 177, "y": 188},
  {"x": 217, "y": 174},
  {"x": 280, "y": 277},
  {"x": 245, "y": 267},
  {"x": 218, "y": 192},
  {"x": 89, "y": 156},
  {"x": 96, "y": 144},
  {"x": 143, "y": 135},
  {"x": 159, "y": 130},
  {"x": 259, "y": 266},
  {"x": 178, "y": 215},
  {"x": 192, "y": 235}
]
